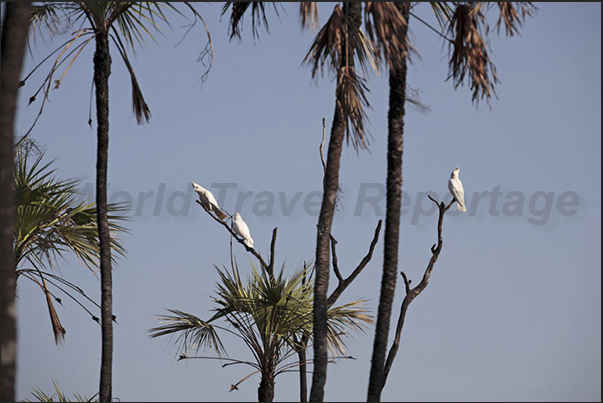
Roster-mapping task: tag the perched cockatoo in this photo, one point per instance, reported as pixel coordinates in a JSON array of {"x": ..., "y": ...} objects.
[
  {"x": 456, "y": 189},
  {"x": 208, "y": 201},
  {"x": 241, "y": 228}
]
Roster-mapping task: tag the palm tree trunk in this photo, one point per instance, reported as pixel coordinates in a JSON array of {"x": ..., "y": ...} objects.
[
  {"x": 302, "y": 354},
  {"x": 266, "y": 388},
  {"x": 14, "y": 34},
  {"x": 102, "y": 70},
  {"x": 352, "y": 10},
  {"x": 321, "y": 285},
  {"x": 395, "y": 146}
]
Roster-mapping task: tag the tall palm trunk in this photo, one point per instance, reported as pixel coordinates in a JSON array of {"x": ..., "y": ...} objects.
[
  {"x": 352, "y": 11},
  {"x": 14, "y": 34},
  {"x": 395, "y": 146},
  {"x": 102, "y": 70},
  {"x": 266, "y": 388}
]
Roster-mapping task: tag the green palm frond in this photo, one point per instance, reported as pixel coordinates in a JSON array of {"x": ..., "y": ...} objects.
[
  {"x": 341, "y": 319},
  {"x": 49, "y": 223},
  {"x": 191, "y": 332},
  {"x": 270, "y": 314},
  {"x": 57, "y": 396}
]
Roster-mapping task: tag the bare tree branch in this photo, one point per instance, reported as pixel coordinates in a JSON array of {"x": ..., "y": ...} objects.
[
  {"x": 322, "y": 157},
  {"x": 335, "y": 265},
  {"x": 242, "y": 242},
  {"x": 272, "y": 246},
  {"x": 344, "y": 283},
  {"x": 414, "y": 292}
]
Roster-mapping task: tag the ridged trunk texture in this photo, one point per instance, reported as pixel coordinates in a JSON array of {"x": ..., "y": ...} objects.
[
  {"x": 102, "y": 70},
  {"x": 14, "y": 34},
  {"x": 353, "y": 15},
  {"x": 266, "y": 388},
  {"x": 395, "y": 143}
]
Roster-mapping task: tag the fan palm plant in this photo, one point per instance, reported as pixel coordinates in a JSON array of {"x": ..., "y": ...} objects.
[
  {"x": 125, "y": 23},
  {"x": 269, "y": 315},
  {"x": 49, "y": 221},
  {"x": 57, "y": 396}
]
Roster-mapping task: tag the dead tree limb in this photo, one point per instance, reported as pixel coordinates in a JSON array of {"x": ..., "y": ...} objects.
[
  {"x": 265, "y": 266},
  {"x": 412, "y": 293},
  {"x": 344, "y": 283},
  {"x": 272, "y": 247}
]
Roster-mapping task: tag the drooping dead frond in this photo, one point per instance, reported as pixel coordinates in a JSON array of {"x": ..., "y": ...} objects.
[
  {"x": 387, "y": 29},
  {"x": 258, "y": 16},
  {"x": 468, "y": 51},
  {"x": 442, "y": 11},
  {"x": 351, "y": 90},
  {"x": 58, "y": 330},
  {"x": 139, "y": 105},
  {"x": 327, "y": 45},
  {"x": 308, "y": 14},
  {"x": 340, "y": 49},
  {"x": 511, "y": 17}
]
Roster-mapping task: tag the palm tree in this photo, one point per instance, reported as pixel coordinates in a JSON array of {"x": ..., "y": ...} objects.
[
  {"x": 125, "y": 23},
  {"x": 396, "y": 59},
  {"x": 339, "y": 43},
  {"x": 14, "y": 33},
  {"x": 57, "y": 396},
  {"x": 49, "y": 222},
  {"x": 269, "y": 314},
  {"x": 466, "y": 23}
]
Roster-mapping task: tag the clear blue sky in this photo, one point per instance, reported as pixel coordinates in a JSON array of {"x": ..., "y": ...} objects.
[{"x": 513, "y": 308}]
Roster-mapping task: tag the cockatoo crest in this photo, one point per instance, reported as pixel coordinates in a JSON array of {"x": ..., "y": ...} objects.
[
  {"x": 241, "y": 228},
  {"x": 456, "y": 189},
  {"x": 208, "y": 201}
]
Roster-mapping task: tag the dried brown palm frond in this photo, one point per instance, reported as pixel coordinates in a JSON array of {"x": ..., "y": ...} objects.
[
  {"x": 332, "y": 47},
  {"x": 351, "y": 97},
  {"x": 58, "y": 330},
  {"x": 511, "y": 17},
  {"x": 327, "y": 45},
  {"x": 258, "y": 16},
  {"x": 468, "y": 51},
  {"x": 387, "y": 29},
  {"x": 139, "y": 105},
  {"x": 308, "y": 14}
]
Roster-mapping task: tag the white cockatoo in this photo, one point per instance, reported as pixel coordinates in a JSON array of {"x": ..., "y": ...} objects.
[
  {"x": 241, "y": 228},
  {"x": 456, "y": 189},
  {"x": 208, "y": 201}
]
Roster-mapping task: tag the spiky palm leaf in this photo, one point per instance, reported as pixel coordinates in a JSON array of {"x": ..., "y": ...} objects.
[
  {"x": 57, "y": 396},
  {"x": 269, "y": 314},
  {"x": 49, "y": 222}
]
